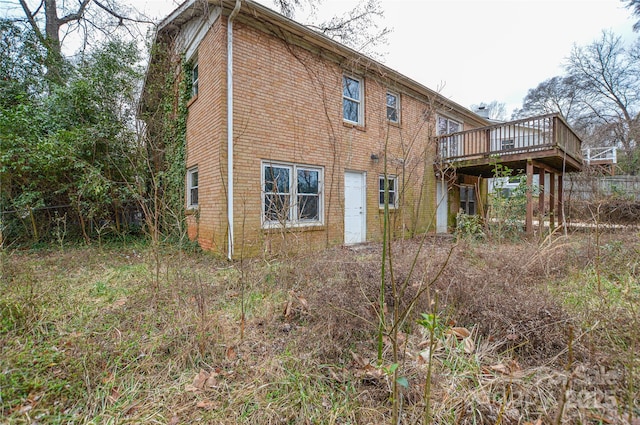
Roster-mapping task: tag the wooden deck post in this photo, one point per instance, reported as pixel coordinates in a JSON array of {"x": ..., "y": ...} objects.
[
  {"x": 541, "y": 202},
  {"x": 560, "y": 201},
  {"x": 552, "y": 201},
  {"x": 528, "y": 222}
]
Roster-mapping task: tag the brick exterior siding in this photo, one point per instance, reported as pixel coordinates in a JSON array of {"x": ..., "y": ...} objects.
[{"x": 288, "y": 108}]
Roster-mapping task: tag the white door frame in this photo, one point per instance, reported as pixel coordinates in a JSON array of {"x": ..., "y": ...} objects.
[
  {"x": 442, "y": 206},
  {"x": 351, "y": 235}
]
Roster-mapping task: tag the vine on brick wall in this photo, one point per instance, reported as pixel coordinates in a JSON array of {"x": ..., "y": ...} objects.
[{"x": 168, "y": 92}]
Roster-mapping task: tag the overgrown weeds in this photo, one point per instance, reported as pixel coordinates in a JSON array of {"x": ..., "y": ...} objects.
[{"x": 86, "y": 338}]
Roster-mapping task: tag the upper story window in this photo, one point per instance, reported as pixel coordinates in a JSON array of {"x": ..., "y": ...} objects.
[
  {"x": 352, "y": 100},
  {"x": 393, "y": 107},
  {"x": 392, "y": 182},
  {"x": 291, "y": 194},
  {"x": 447, "y": 125},
  {"x": 192, "y": 187},
  {"x": 194, "y": 79},
  {"x": 449, "y": 146}
]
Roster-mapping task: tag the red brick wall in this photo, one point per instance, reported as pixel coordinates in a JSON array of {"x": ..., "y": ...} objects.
[{"x": 288, "y": 108}]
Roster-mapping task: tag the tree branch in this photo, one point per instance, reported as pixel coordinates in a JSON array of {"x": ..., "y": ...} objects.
[
  {"x": 120, "y": 18},
  {"x": 74, "y": 16},
  {"x": 32, "y": 20}
]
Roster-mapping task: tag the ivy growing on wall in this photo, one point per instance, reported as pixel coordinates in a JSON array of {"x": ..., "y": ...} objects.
[{"x": 167, "y": 92}]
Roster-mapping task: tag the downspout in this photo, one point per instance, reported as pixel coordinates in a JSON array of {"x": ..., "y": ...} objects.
[{"x": 233, "y": 14}]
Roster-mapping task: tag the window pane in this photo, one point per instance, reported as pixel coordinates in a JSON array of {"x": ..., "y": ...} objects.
[
  {"x": 308, "y": 181},
  {"x": 453, "y": 126},
  {"x": 276, "y": 207},
  {"x": 194, "y": 196},
  {"x": 391, "y": 100},
  {"x": 194, "y": 79},
  {"x": 392, "y": 107},
  {"x": 392, "y": 114},
  {"x": 276, "y": 179},
  {"x": 442, "y": 126},
  {"x": 351, "y": 88},
  {"x": 194, "y": 179},
  {"x": 308, "y": 207},
  {"x": 350, "y": 110}
]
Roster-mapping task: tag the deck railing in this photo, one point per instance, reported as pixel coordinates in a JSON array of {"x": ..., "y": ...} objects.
[
  {"x": 601, "y": 155},
  {"x": 540, "y": 133}
]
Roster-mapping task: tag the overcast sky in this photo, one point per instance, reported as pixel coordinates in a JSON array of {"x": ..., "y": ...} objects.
[{"x": 475, "y": 51}]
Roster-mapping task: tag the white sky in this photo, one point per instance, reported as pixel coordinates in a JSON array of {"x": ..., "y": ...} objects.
[{"x": 475, "y": 51}]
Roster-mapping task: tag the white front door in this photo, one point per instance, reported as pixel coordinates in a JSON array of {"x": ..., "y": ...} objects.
[
  {"x": 355, "y": 214},
  {"x": 442, "y": 206}
]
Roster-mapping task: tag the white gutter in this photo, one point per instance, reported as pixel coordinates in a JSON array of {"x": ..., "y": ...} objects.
[{"x": 233, "y": 14}]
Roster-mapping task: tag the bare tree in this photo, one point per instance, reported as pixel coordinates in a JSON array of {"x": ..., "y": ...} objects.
[
  {"x": 53, "y": 22},
  {"x": 607, "y": 75},
  {"x": 557, "y": 94},
  {"x": 634, "y": 5},
  {"x": 360, "y": 28}
]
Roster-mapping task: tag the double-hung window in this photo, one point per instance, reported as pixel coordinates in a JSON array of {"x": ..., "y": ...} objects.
[
  {"x": 393, "y": 107},
  {"x": 468, "y": 199},
  {"x": 391, "y": 188},
  {"x": 352, "y": 96},
  {"x": 449, "y": 146},
  {"x": 192, "y": 187},
  {"x": 194, "y": 79},
  {"x": 291, "y": 194}
]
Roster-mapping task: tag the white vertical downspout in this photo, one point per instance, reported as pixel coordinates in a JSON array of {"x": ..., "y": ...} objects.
[{"x": 233, "y": 14}]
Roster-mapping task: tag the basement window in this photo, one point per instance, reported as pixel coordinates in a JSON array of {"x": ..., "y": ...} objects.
[{"x": 291, "y": 195}]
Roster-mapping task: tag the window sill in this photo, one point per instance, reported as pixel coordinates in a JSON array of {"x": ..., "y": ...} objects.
[
  {"x": 353, "y": 125},
  {"x": 391, "y": 209},
  {"x": 394, "y": 124},
  {"x": 271, "y": 229},
  {"x": 192, "y": 100},
  {"x": 191, "y": 211}
]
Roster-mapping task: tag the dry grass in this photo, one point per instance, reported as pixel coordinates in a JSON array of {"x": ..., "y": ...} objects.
[{"x": 87, "y": 337}]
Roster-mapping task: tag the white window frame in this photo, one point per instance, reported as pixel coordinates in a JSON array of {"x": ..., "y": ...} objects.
[
  {"x": 191, "y": 187},
  {"x": 381, "y": 180},
  {"x": 396, "y": 108},
  {"x": 195, "y": 77},
  {"x": 293, "y": 214},
  {"x": 469, "y": 189},
  {"x": 359, "y": 102},
  {"x": 450, "y": 146}
]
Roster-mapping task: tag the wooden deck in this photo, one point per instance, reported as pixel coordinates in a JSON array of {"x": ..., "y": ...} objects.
[{"x": 546, "y": 140}]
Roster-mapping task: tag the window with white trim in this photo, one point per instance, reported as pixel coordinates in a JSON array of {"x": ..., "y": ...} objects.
[
  {"x": 192, "y": 187},
  {"x": 194, "y": 79},
  {"x": 507, "y": 144},
  {"x": 468, "y": 199},
  {"x": 352, "y": 100},
  {"x": 393, "y": 107},
  {"x": 392, "y": 182},
  {"x": 291, "y": 194},
  {"x": 449, "y": 146}
]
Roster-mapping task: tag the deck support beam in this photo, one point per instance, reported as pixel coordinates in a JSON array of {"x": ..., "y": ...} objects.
[
  {"x": 560, "y": 201},
  {"x": 552, "y": 201},
  {"x": 541, "y": 199},
  {"x": 528, "y": 226}
]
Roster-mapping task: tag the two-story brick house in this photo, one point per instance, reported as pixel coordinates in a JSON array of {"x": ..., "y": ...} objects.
[{"x": 290, "y": 135}]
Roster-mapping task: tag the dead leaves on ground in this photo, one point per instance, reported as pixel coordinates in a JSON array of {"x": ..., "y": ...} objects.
[
  {"x": 203, "y": 381},
  {"x": 295, "y": 306}
]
